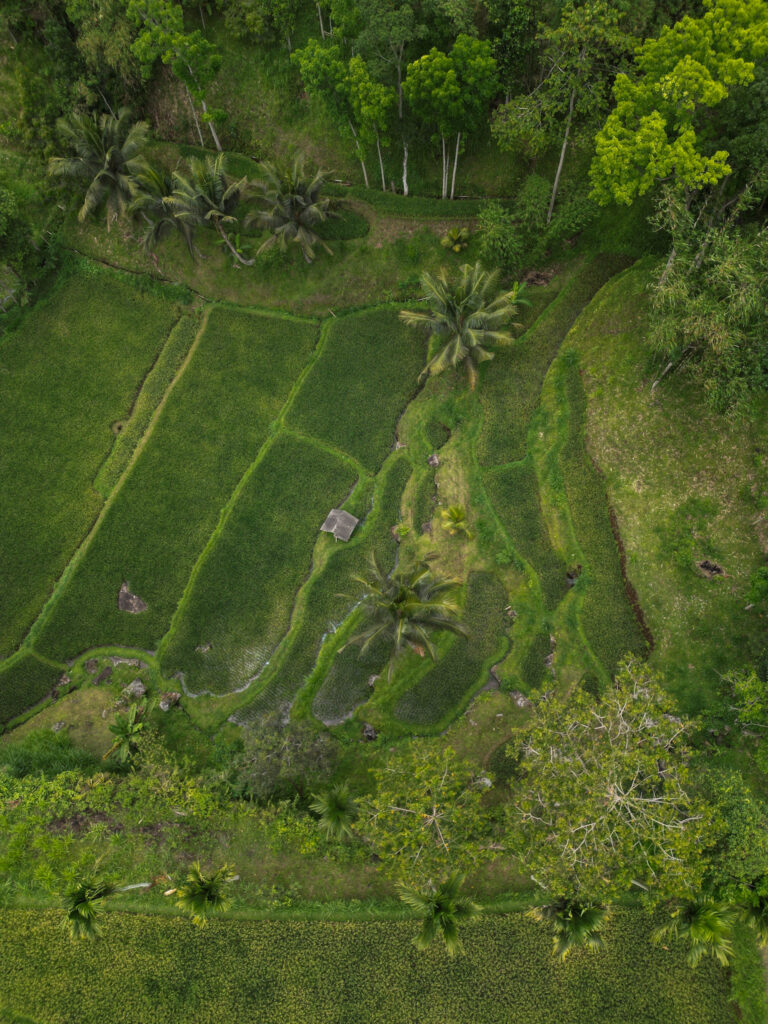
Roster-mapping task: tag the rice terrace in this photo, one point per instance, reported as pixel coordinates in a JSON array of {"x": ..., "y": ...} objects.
[{"x": 384, "y": 562}]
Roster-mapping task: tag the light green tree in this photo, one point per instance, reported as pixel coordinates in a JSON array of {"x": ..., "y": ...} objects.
[
  {"x": 657, "y": 130},
  {"x": 604, "y": 801},
  {"x": 193, "y": 59}
]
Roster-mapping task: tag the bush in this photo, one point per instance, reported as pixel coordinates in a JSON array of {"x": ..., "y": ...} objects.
[
  {"x": 44, "y": 752},
  {"x": 530, "y": 210},
  {"x": 501, "y": 243}
]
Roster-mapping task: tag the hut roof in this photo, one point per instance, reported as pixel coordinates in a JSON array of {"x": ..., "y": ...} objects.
[{"x": 340, "y": 523}]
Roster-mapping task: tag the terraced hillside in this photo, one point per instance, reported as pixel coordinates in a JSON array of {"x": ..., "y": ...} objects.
[{"x": 245, "y": 431}]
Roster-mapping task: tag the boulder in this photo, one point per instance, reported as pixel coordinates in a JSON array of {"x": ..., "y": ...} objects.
[
  {"x": 58, "y": 726},
  {"x": 135, "y": 690},
  {"x": 369, "y": 733},
  {"x": 169, "y": 700},
  {"x": 433, "y": 461},
  {"x": 520, "y": 699}
]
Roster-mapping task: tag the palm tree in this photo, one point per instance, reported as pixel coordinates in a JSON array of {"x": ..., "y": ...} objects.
[
  {"x": 442, "y": 908},
  {"x": 467, "y": 315},
  {"x": 404, "y": 607},
  {"x": 202, "y": 895},
  {"x": 127, "y": 729},
  {"x": 151, "y": 189},
  {"x": 293, "y": 207},
  {"x": 336, "y": 811},
  {"x": 575, "y": 925},
  {"x": 208, "y": 196},
  {"x": 82, "y": 905},
  {"x": 706, "y": 924},
  {"x": 454, "y": 519},
  {"x": 107, "y": 157}
]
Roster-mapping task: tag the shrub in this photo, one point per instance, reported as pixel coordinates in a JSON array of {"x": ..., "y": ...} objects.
[
  {"x": 501, "y": 242},
  {"x": 44, "y": 752}
]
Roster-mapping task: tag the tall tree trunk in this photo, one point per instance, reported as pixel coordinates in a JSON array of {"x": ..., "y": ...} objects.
[
  {"x": 202, "y": 16},
  {"x": 381, "y": 164},
  {"x": 212, "y": 127},
  {"x": 232, "y": 249},
  {"x": 288, "y": 39},
  {"x": 446, "y": 161},
  {"x": 562, "y": 156},
  {"x": 320, "y": 16},
  {"x": 359, "y": 153},
  {"x": 107, "y": 104},
  {"x": 194, "y": 115},
  {"x": 455, "y": 164},
  {"x": 668, "y": 266},
  {"x": 405, "y": 168},
  {"x": 399, "y": 86}
]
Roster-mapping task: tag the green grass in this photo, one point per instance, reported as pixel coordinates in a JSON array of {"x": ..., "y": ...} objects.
[
  {"x": 24, "y": 681},
  {"x": 67, "y": 372},
  {"x": 161, "y": 970},
  {"x": 610, "y": 625},
  {"x": 437, "y": 695},
  {"x": 215, "y": 419},
  {"x": 242, "y": 594},
  {"x": 533, "y": 670},
  {"x": 514, "y": 492},
  {"x": 684, "y": 482},
  {"x": 322, "y": 608},
  {"x": 346, "y": 684},
  {"x": 364, "y": 377},
  {"x": 154, "y": 387},
  {"x": 511, "y": 383},
  {"x": 748, "y": 978}
]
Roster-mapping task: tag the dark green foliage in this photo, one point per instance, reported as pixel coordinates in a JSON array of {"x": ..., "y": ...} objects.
[
  {"x": 501, "y": 240},
  {"x": 354, "y": 394},
  {"x": 45, "y": 752},
  {"x": 240, "y": 603},
  {"x": 514, "y": 492},
  {"x": 462, "y": 670},
  {"x": 347, "y": 683},
  {"x": 214, "y": 420},
  {"x": 423, "y": 505},
  {"x": 533, "y": 670},
  {"x": 91, "y": 342},
  {"x": 323, "y": 608},
  {"x": 748, "y": 977},
  {"x": 349, "y": 224},
  {"x": 204, "y": 894},
  {"x": 609, "y": 621},
  {"x": 511, "y": 384},
  {"x": 442, "y": 908},
  {"x": 294, "y": 970},
  {"x": 437, "y": 433},
  {"x": 23, "y": 682}
]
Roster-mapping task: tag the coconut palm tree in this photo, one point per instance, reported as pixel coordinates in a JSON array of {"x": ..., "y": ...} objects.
[
  {"x": 404, "y": 607},
  {"x": 292, "y": 207},
  {"x": 208, "y": 196},
  {"x": 575, "y": 925},
  {"x": 202, "y": 895},
  {"x": 454, "y": 520},
  {"x": 467, "y": 316},
  {"x": 442, "y": 908},
  {"x": 707, "y": 926},
  {"x": 151, "y": 188},
  {"x": 127, "y": 729},
  {"x": 336, "y": 811},
  {"x": 107, "y": 156},
  {"x": 82, "y": 905}
]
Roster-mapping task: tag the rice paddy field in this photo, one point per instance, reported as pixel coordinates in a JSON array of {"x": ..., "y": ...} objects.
[{"x": 188, "y": 451}]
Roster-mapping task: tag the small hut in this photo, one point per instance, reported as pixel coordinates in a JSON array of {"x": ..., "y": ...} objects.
[{"x": 340, "y": 523}]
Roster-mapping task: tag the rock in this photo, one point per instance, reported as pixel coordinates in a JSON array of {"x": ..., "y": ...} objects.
[
  {"x": 710, "y": 569},
  {"x": 433, "y": 461},
  {"x": 58, "y": 726},
  {"x": 105, "y": 674},
  {"x": 510, "y": 612},
  {"x": 135, "y": 690},
  {"x": 484, "y": 781},
  {"x": 369, "y": 733},
  {"x": 169, "y": 700},
  {"x": 203, "y": 648},
  {"x": 572, "y": 575},
  {"x": 128, "y": 602},
  {"x": 520, "y": 699},
  {"x": 92, "y": 666},
  {"x": 372, "y": 681},
  {"x": 63, "y": 680},
  {"x": 426, "y": 528}
]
